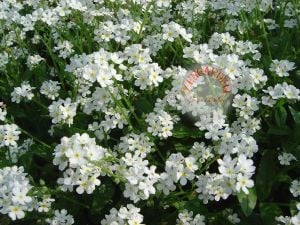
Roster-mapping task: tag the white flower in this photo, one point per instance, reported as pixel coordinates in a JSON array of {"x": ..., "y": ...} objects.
[
  {"x": 286, "y": 158},
  {"x": 61, "y": 217},
  {"x": 296, "y": 219},
  {"x": 243, "y": 182},
  {"x": 125, "y": 215},
  {"x": 14, "y": 195},
  {"x": 50, "y": 89},
  {"x": 186, "y": 218},
  {"x": 65, "y": 49},
  {"x": 295, "y": 188},
  {"x": 233, "y": 218},
  {"x": 283, "y": 90},
  {"x": 20, "y": 196},
  {"x": 282, "y": 67},
  {"x": 291, "y": 92},
  {"x": 163, "y": 3},
  {"x": 290, "y": 23},
  {"x": 140, "y": 179},
  {"x": 160, "y": 124},
  {"x": 77, "y": 153},
  {"x": 246, "y": 105},
  {"x": 147, "y": 75},
  {"x": 22, "y": 92},
  {"x": 9, "y": 135},
  {"x": 227, "y": 166},
  {"x": 136, "y": 54},
  {"x": 34, "y": 60},
  {"x": 173, "y": 30},
  {"x": 284, "y": 219},
  {"x": 63, "y": 111},
  {"x": 3, "y": 111},
  {"x": 16, "y": 212},
  {"x": 76, "y": 157},
  {"x": 105, "y": 75},
  {"x": 258, "y": 76},
  {"x": 245, "y": 165},
  {"x": 45, "y": 204},
  {"x": 267, "y": 100}
]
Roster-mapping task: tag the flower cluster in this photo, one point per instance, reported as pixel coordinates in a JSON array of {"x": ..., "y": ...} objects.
[
  {"x": 283, "y": 90},
  {"x": 14, "y": 186},
  {"x": 169, "y": 102},
  {"x": 287, "y": 220},
  {"x": 295, "y": 188},
  {"x": 186, "y": 218},
  {"x": 77, "y": 156},
  {"x": 173, "y": 30},
  {"x": 61, "y": 217},
  {"x": 125, "y": 215},
  {"x": 139, "y": 144},
  {"x": 63, "y": 111},
  {"x": 14, "y": 152},
  {"x": 282, "y": 67},
  {"x": 9, "y": 135},
  {"x": 178, "y": 169},
  {"x": 235, "y": 174},
  {"x": 45, "y": 204},
  {"x": 133, "y": 168},
  {"x": 64, "y": 48},
  {"x": 245, "y": 105},
  {"x": 160, "y": 124},
  {"x": 50, "y": 89},
  {"x": 22, "y": 92},
  {"x": 33, "y": 61},
  {"x": 286, "y": 158}
]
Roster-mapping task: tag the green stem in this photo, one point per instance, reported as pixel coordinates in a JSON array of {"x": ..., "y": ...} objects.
[
  {"x": 208, "y": 164},
  {"x": 265, "y": 34},
  {"x": 30, "y": 135},
  {"x": 144, "y": 20},
  {"x": 34, "y": 138},
  {"x": 121, "y": 107},
  {"x": 55, "y": 192},
  {"x": 47, "y": 44},
  {"x": 9, "y": 156},
  {"x": 130, "y": 107},
  {"x": 40, "y": 104}
]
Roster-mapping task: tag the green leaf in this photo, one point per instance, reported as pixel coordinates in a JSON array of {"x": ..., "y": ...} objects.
[
  {"x": 295, "y": 114},
  {"x": 291, "y": 147},
  {"x": 179, "y": 205},
  {"x": 268, "y": 212},
  {"x": 247, "y": 201},
  {"x": 291, "y": 143},
  {"x": 4, "y": 221},
  {"x": 102, "y": 196},
  {"x": 181, "y": 131},
  {"x": 143, "y": 105},
  {"x": 180, "y": 147},
  {"x": 281, "y": 131},
  {"x": 4, "y": 163},
  {"x": 41, "y": 151},
  {"x": 26, "y": 160},
  {"x": 16, "y": 111},
  {"x": 280, "y": 116},
  {"x": 266, "y": 172},
  {"x": 293, "y": 207},
  {"x": 282, "y": 177},
  {"x": 196, "y": 206}
]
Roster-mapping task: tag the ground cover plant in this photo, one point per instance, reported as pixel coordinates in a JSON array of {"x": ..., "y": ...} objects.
[{"x": 149, "y": 112}]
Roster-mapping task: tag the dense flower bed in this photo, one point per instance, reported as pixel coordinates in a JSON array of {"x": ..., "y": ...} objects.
[{"x": 149, "y": 112}]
